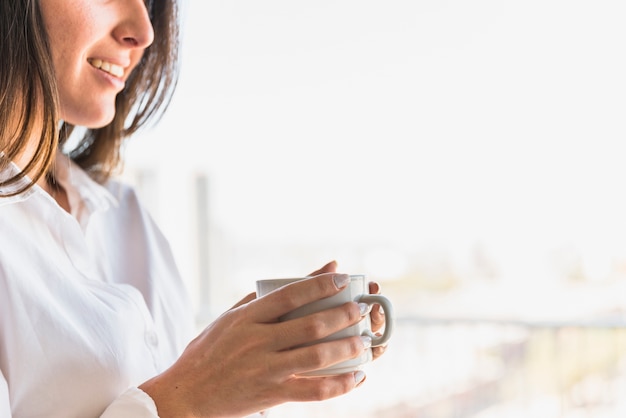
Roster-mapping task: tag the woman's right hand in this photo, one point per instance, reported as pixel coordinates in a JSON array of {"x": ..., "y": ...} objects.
[{"x": 243, "y": 362}]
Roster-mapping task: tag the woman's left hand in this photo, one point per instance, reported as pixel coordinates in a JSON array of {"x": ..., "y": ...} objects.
[{"x": 377, "y": 316}]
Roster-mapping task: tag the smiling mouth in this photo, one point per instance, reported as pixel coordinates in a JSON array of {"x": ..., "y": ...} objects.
[{"x": 113, "y": 69}]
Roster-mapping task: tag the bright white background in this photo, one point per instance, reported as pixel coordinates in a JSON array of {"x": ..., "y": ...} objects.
[
  {"x": 477, "y": 139},
  {"x": 401, "y": 127}
]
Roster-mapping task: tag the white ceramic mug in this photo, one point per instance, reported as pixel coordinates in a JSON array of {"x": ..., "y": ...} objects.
[{"x": 358, "y": 291}]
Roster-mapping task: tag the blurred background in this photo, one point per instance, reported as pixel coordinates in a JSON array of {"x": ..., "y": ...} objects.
[{"x": 466, "y": 154}]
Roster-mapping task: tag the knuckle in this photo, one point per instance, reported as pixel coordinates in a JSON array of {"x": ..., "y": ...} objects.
[
  {"x": 317, "y": 357},
  {"x": 378, "y": 319},
  {"x": 290, "y": 299},
  {"x": 344, "y": 385},
  {"x": 353, "y": 313},
  {"x": 331, "y": 388},
  {"x": 356, "y": 347},
  {"x": 315, "y": 327},
  {"x": 322, "y": 392},
  {"x": 347, "y": 383},
  {"x": 238, "y": 318}
]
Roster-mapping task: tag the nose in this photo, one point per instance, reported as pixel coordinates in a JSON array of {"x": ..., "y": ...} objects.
[{"x": 135, "y": 28}]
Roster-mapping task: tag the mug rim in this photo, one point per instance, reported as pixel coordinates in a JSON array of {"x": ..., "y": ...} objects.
[{"x": 287, "y": 280}]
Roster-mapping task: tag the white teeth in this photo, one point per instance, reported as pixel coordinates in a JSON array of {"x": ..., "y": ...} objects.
[{"x": 108, "y": 67}]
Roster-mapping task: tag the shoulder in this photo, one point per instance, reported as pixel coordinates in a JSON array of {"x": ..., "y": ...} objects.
[
  {"x": 129, "y": 212},
  {"x": 125, "y": 193},
  {"x": 130, "y": 195}
]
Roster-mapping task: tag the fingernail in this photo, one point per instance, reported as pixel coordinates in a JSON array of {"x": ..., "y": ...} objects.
[
  {"x": 381, "y": 310},
  {"x": 367, "y": 341},
  {"x": 359, "y": 377},
  {"x": 364, "y": 308},
  {"x": 341, "y": 280}
]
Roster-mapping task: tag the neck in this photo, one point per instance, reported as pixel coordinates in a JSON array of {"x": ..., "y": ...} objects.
[
  {"x": 47, "y": 182},
  {"x": 54, "y": 189}
]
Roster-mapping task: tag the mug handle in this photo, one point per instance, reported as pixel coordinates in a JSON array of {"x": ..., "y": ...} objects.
[{"x": 389, "y": 318}]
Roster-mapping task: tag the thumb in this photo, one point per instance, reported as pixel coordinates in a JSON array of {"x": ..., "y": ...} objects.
[
  {"x": 330, "y": 267},
  {"x": 249, "y": 297}
]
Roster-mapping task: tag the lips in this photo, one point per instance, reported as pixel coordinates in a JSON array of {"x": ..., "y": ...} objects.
[{"x": 108, "y": 67}]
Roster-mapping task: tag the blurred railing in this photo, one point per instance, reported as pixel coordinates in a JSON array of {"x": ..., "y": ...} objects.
[
  {"x": 501, "y": 368},
  {"x": 485, "y": 368}
]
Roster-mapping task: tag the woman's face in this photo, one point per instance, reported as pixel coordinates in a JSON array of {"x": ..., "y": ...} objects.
[{"x": 95, "y": 46}]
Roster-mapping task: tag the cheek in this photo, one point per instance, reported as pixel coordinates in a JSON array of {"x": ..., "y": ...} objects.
[
  {"x": 59, "y": 25},
  {"x": 70, "y": 27},
  {"x": 135, "y": 57}
]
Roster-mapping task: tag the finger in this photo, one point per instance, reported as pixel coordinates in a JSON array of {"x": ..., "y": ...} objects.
[
  {"x": 377, "y": 318},
  {"x": 323, "y": 388},
  {"x": 249, "y": 297},
  {"x": 292, "y": 296},
  {"x": 330, "y": 267},
  {"x": 378, "y": 351},
  {"x": 319, "y": 356},
  {"x": 374, "y": 288},
  {"x": 315, "y": 326}
]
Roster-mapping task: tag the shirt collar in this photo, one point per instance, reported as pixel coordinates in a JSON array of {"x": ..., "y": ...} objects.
[
  {"x": 9, "y": 171},
  {"x": 84, "y": 194}
]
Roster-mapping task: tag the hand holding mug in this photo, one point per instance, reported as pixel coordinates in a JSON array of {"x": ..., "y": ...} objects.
[
  {"x": 355, "y": 291},
  {"x": 245, "y": 361},
  {"x": 377, "y": 315}
]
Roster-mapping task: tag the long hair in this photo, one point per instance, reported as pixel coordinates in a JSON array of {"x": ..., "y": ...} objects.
[
  {"x": 28, "y": 90},
  {"x": 28, "y": 93}
]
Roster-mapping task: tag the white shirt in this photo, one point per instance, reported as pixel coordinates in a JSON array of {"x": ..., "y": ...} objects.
[{"x": 91, "y": 303}]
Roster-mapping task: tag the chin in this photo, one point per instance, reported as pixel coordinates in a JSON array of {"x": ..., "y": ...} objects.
[
  {"x": 97, "y": 125},
  {"x": 89, "y": 123},
  {"x": 97, "y": 118},
  {"x": 99, "y": 121}
]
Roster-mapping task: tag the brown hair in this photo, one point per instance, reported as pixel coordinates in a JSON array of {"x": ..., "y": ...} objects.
[{"x": 28, "y": 93}]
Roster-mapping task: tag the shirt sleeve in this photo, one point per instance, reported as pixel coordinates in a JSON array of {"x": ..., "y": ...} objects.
[
  {"x": 5, "y": 408},
  {"x": 134, "y": 403}
]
